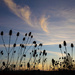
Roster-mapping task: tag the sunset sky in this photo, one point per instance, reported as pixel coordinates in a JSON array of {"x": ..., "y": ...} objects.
[{"x": 50, "y": 21}]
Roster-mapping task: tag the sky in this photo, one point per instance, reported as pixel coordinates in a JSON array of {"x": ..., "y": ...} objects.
[{"x": 50, "y": 21}]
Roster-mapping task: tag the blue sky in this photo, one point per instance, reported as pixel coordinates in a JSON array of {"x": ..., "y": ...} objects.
[{"x": 50, "y": 21}]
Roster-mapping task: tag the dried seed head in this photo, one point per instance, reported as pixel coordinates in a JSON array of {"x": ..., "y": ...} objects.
[
  {"x": 24, "y": 55},
  {"x": 60, "y": 46},
  {"x": 28, "y": 65},
  {"x": 3, "y": 63},
  {"x": 24, "y": 39},
  {"x": 14, "y": 66},
  {"x": 29, "y": 33},
  {"x": 2, "y": 33},
  {"x": 26, "y": 34},
  {"x": 40, "y": 44},
  {"x": 64, "y": 43},
  {"x": 72, "y": 45},
  {"x": 35, "y": 51},
  {"x": 17, "y": 34},
  {"x": 31, "y": 36},
  {"x": 34, "y": 42},
  {"x": 22, "y": 45},
  {"x": 35, "y": 45},
  {"x": 1, "y": 52},
  {"x": 21, "y": 65},
  {"x": 10, "y": 32},
  {"x": 44, "y": 51},
  {"x": 14, "y": 51},
  {"x": 45, "y": 54},
  {"x": 14, "y": 45}
]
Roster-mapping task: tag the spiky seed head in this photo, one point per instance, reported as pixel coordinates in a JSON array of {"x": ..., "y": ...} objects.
[
  {"x": 22, "y": 46},
  {"x": 1, "y": 52},
  {"x": 17, "y": 34},
  {"x": 10, "y": 32},
  {"x": 3, "y": 63},
  {"x": 34, "y": 42},
  {"x": 44, "y": 51},
  {"x": 68, "y": 54},
  {"x": 35, "y": 51},
  {"x": 31, "y": 36},
  {"x": 64, "y": 43},
  {"x": 14, "y": 51},
  {"x": 64, "y": 52},
  {"x": 73, "y": 60},
  {"x": 24, "y": 39},
  {"x": 24, "y": 55},
  {"x": 26, "y": 34},
  {"x": 14, "y": 66},
  {"x": 21, "y": 65},
  {"x": 40, "y": 44},
  {"x": 35, "y": 45},
  {"x": 29, "y": 33},
  {"x": 2, "y": 33},
  {"x": 45, "y": 54},
  {"x": 14, "y": 45},
  {"x": 72, "y": 45},
  {"x": 60, "y": 46},
  {"x": 28, "y": 65}
]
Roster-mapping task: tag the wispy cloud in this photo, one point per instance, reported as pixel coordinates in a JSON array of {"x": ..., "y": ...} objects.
[
  {"x": 44, "y": 23},
  {"x": 22, "y": 12},
  {"x": 55, "y": 53},
  {"x": 25, "y": 14},
  {"x": 61, "y": 25}
]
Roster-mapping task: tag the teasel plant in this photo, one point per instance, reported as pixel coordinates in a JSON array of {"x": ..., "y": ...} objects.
[
  {"x": 60, "y": 46},
  {"x": 72, "y": 46},
  {"x": 1, "y": 55},
  {"x": 33, "y": 54},
  {"x": 65, "y": 44},
  {"x": 36, "y": 56},
  {"x": 9, "y": 50},
  {"x": 25, "y": 46},
  {"x": 44, "y": 59},
  {"x": 67, "y": 62},
  {"x": 53, "y": 63}
]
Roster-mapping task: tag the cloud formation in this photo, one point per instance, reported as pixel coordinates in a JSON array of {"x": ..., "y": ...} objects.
[
  {"x": 56, "y": 53},
  {"x": 25, "y": 14},
  {"x": 44, "y": 23}
]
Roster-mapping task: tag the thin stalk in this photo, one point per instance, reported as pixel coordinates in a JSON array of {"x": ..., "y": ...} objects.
[
  {"x": 4, "y": 43},
  {"x": 8, "y": 51},
  {"x": 72, "y": 53},
  {"x": 66, "y": 51},
  {"x": 61, "y": 52}
]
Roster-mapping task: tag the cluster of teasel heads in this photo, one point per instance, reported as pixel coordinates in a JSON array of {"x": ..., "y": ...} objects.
[
  {"x": 24, "y": 47},
  {"x": 37, "y": 56},
  {"x": 67, "y": 61}
]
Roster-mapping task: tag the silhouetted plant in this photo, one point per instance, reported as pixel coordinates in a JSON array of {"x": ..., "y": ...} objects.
[
  {"x": 67, "y": 60},
  {"x": 60, "y": 49},
  {"x": 53, "y": 63},
  {"x": 23, "y": 48},
  {"x": 72, "y": 48},
  {"x": 65, "y": 44}
]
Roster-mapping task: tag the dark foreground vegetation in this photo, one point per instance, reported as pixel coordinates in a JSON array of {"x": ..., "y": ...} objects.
[
  {"x": 38, "y": 72},
  {"x": 16, "y": 63}
]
